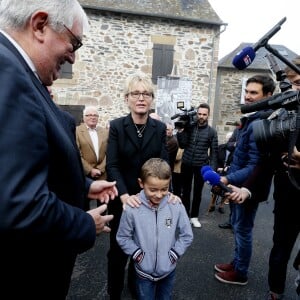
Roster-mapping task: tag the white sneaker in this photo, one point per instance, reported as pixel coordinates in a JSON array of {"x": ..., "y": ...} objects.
[{"x": 195, "y": 222}]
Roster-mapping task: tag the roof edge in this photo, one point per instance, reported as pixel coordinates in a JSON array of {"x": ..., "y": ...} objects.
[{"x": 131, "y": 12}]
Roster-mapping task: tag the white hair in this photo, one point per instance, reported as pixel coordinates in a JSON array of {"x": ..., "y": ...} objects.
[
  {"x": 90, "y": 108},
  {"x": 14, "y": 14}
]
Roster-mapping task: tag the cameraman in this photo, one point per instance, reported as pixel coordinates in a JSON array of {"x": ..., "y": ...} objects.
[
  {"x": 200, "y": 144},
  {"x": 286, "y": 211}
]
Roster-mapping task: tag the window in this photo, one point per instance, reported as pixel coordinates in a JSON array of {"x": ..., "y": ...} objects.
[{"x": 162, "y": 61}]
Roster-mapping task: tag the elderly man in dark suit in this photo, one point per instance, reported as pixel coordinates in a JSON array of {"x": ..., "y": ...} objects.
[{"x": 43, "y": 188}]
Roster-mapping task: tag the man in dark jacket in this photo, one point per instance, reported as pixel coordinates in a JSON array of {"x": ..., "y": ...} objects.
[{"x": 200, "y": 144}]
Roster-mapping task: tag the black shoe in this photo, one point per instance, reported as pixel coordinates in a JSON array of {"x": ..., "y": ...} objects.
[
  {"x": 225, "y": 225},
  {"x": 221, "y": 210}
]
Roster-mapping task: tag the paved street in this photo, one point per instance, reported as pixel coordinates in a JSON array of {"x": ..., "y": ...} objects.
[{"x": 195, "y": 274}]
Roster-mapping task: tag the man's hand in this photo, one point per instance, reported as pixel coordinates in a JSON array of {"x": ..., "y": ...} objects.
[
  {"x": 224, "y": 180},
  {"x": 101, "y": 222},
  {"x": 295, "y": 159},
  {"x": 103, "y": 191},
  {"x": 238, "y": 195},
  {"x": 95, "y": 173}
]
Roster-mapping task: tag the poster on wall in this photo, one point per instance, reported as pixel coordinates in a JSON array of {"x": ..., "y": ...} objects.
[{"x": 173, "y": 94}]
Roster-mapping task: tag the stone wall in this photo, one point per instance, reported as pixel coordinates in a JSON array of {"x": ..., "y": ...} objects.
[
  {"x": 228, "y": 97},
  {"x": 119, "y": 45}
]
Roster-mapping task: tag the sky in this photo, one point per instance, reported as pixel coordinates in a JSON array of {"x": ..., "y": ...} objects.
[{"x": 249, "y": 20}]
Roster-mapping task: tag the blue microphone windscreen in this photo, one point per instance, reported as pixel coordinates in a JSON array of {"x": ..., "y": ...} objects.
[
  {"x": 205, "y": 168},
  {"x": 212, "y": 177},
  {"x": 244, "y": 58}
]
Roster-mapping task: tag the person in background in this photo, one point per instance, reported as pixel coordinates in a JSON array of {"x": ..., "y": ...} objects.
[
  {"x": 200, "y": 144},
  {"x": 133, "y": 139},
  {"x": 43, "y": 188},
  {"x": 172, "y": 144},
  {"x": 92, "y": 142},
  {"x": 231, "y": 143},
  {"x": 156, "y": 219},
  {"x": 176, "y": 174},
  {"x": 224, "y": 160},
  {"x": 286, "y": 210},
  {"x": 247, "y": 158}
]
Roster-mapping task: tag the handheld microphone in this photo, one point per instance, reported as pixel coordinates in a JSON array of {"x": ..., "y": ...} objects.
[
  {"x": 246, "y": 56},
  {"x": 205, "y": 168},
  {"x": 213, "y": 178}
]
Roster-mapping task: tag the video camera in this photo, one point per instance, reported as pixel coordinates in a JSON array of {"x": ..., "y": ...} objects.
[
  {"x": 280, "y": 128},
  {"x": 276, "y": 130},
  {"x": 185, "y": 118}
]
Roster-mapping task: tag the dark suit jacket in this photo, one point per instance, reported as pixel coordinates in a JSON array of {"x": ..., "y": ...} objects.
[
  {"x": 42, "y": 187},
  {"x": 126, "y": 152},
  {"x": 87, "y": 152}
]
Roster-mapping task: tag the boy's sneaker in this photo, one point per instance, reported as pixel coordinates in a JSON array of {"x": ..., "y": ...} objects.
[
  {"x": 195, "y": 222},
  {"x": 224, "y": 267},
  {"x": 231, "y": 277}
]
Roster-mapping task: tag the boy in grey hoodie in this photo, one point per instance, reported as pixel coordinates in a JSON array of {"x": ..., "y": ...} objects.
[{"x": 156, "y": 234}]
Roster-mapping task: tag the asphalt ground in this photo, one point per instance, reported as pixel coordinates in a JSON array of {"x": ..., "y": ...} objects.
[{"x": 195, "y": 271}]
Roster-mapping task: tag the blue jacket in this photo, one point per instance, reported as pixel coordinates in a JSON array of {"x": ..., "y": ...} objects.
[
  {"x": 246, "y": 154},
  {"x": 155, "y": 237}
]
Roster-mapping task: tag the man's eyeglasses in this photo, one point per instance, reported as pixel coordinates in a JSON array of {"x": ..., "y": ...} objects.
[
  {"x": 92, "y": 116},
  {"x": 75, "y": 41},
  {"x": 145, "y": 95}
]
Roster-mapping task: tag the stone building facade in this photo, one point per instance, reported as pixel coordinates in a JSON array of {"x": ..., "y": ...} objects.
[{"x": 120, "y": 42}]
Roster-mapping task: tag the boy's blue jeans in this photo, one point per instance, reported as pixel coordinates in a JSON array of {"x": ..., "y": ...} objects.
[
  {"x": 154, "y": 290},
  {"x": 242, "y": 220}
]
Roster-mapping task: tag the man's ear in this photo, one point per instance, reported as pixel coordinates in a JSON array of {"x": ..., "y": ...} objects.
[
  {"x": 140, "y": 183},
  {"x": 39, "y": 22}
]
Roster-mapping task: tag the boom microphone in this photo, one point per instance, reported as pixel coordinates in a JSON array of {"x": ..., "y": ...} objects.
[
  {"x": 246, "y": 56},
  {"x": 213, "y": 178}
]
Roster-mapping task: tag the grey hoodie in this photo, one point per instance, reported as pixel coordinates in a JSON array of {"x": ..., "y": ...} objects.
[{"x": 155, "y": 237}]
